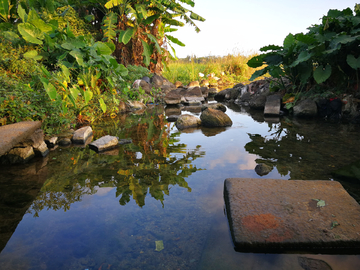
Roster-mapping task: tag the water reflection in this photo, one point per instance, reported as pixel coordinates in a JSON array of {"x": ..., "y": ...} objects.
[{"x": 152, "y": 164}]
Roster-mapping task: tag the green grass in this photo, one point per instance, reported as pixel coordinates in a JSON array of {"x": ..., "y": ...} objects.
[{"x": 231, "y": 69}]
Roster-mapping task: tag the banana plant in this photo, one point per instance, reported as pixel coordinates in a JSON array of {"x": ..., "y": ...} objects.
[{"x": 145, "y": 26}]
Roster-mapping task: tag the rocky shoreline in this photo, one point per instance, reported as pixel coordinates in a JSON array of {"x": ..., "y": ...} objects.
[{"x": 201, "y": 99}]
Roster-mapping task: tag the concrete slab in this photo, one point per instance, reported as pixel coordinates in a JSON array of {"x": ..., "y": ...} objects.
[
  {"x": 271, "y": 215},
  {"x": 12, "y": 134},
  {"x": 272, "y": 105}
]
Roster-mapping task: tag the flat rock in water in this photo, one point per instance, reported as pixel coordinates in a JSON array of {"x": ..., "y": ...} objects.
[
  {"x": 82, "y": 134},
  {"x": 269, "y": 215},
  {"x": 272, "y": 105},
  {"x": 14, "y": 133},
  {"x": 104, "y": 143}
]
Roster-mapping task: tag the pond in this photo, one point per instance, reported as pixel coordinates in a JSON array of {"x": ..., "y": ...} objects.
[{"x": 157, "y": 203}]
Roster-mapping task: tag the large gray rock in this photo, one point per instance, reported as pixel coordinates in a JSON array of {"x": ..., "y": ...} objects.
[
  {"x": 214, "y": 118},
  {"x": 305, "y": 108},
  {"x": 157, "y": 80},
  {"x": 104, "y": 143},
  {"x": 174, "y": 96},
  {"x": 227, "y": 94},
  {"x": 14, "y": 133},
  {"x": 187, "y": 121},
  {"x": 257, "y": 102},
  {"x": 272, "y": 105},
  {"x": 82, "y": 134},
  {"x": 145, "y": 86}
]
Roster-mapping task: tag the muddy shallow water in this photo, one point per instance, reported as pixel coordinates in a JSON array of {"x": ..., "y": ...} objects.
[{"x": 158, "y": 203}]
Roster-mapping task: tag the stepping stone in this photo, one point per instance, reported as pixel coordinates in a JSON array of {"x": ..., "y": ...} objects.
[
  {"x": 272, "y": 105},
  {"x": 14, "y": 133},
  {"x": 82, "y": 134},
  {"x": 269, "y": 215},
  {"x": 104, "y": 143}
]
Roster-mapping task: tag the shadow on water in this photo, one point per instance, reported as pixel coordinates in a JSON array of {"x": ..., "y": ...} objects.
[
  {"x": 18, "y": 189},
  {"x": 113, "y": 210}
]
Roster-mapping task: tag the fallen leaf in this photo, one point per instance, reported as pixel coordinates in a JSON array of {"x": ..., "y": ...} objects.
[{"x": 159, "y": 245}]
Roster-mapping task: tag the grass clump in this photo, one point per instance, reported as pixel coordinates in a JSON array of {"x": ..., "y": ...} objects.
[{"x": 231, "y": 69}]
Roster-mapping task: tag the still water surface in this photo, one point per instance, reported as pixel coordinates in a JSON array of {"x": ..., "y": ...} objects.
[{"x": 158, "y": 203}]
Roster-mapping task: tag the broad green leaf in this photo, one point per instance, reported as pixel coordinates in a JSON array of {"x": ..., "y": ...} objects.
[
  {"x": 153, "y": 39},
  {"x": 66, "y": 72},
  {"x": 21, "y": 12},
  {"x": 197, "y": 17},
  {"x": 102, "y": 48},
  {"x": 68, "y": 46},
  {"x": 259, "y": 73},
  {"x": 88, "y": 96},
  {"x": 273, "y": 59},
  {"x": 321, "y": 73},
  {"x": 78, "y": 56},
  {"x": 33, "y": 15},
  {"x": 31, "y": 54},
  {"x": 169, "y": 29},
  {"x": 305, "y": 71},
  {"x": 102, "y": 105},
  {"x": 303, "y": 56},
  {"x": 113, "y": 3},
  {"x": 122, "y": 70},
  {"x": 270, "y": 47},
  {"x": 353, "y": 62},
  {"x": 307, "y": 39},
  {"x": 146, "y": 53},
  {"x": 276, "y": 71},
  {"x": 111, "y": 45},
  {"x": 127, "y": 35},
  {"x": 256, "y": 61},
  {"x": 51, "y": 91},
  {"x": 31, "y": 33},
  {"x": 150, "y": 19},
  {"x": 43, "y": 26},
  {"x": 189, "y": 2},
  {"x": 289, "y": 41},
  {"x": 140, "y": 9},
  {"x": 175, "y": 40},
  {"x": 74, "y": 93}
]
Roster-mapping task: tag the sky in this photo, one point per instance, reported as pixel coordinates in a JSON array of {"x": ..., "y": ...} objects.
[{"x": 244, "y": 26}]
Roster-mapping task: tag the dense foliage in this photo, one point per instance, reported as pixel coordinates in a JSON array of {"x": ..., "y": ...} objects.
[
  {"x": 77, "y": 52},
  {"x": 327, "y": 55}
]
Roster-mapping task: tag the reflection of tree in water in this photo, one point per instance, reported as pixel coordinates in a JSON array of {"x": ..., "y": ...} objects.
[
  {"x": 305, "y": 150},
  {"x": 153, "y": 163}
]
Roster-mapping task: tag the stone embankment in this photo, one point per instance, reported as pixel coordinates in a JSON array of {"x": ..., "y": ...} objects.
[{"x": 25, "y": 140}]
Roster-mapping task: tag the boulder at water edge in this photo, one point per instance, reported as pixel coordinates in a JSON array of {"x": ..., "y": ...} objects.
[
  {"x": 214, "y": 118},
  {"x": 187, "y": 121},
  {"x": 305, "y": 108}
]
